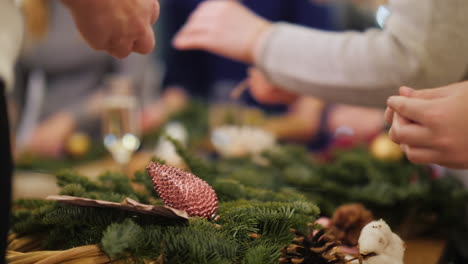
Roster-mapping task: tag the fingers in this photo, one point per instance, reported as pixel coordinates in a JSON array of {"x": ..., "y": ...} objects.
[
  {"x": 424, "y": 94},
  {"x": 411, "y": 108},
  {"x": 155, "y": 11},
  {"x": 388, "y": 116},
  {"x": 144, "y": 44},
  {"x": 421, "y": 155},
  {"x": 195, "y": 34},
  {"x": 120, "y": 48},
  {"x": 431, "y": 156},
  {"x": 191, "y": 38},
  {"x": 403, "y": 132},
  {"x": 406, "y": 91}
]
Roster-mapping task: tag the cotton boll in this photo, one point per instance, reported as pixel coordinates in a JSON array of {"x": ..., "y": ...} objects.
[
  {"x": 377, "y": 238},
  {"x": 165, "y": 150},
  {"x": 238, "y": 141}
]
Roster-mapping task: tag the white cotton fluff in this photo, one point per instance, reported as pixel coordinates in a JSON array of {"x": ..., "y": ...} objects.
[
  {"x": 377, "y": 237},
  {"x": 238, "y": 141},
  {"x": 165, "y": 150}
]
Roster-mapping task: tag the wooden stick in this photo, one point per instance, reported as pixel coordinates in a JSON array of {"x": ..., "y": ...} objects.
[{"x": 237, "y": 91}]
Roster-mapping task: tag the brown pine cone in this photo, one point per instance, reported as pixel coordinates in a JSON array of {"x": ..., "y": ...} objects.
[
  {"x": 183, "y": 190},
  {"x": 348, "y": 221},
  {"x": 313, "y": 248}
]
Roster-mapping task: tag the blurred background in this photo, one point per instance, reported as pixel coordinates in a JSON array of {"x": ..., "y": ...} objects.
[
  {"x": 61, "y": 82},
  {"x": 74, "y": 107}
]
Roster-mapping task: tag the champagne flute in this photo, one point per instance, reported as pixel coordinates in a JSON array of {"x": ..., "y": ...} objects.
[{"x": 121, "y": 121}]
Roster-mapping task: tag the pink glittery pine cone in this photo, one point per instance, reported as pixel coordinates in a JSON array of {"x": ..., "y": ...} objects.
[{"x": 183, "y": 190}]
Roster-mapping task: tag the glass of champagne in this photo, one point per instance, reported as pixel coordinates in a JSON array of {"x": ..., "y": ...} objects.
[{"x": 120, "y": 121}]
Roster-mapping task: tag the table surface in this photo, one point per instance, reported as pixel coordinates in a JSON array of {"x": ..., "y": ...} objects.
[{"x": 28, "y": 184}]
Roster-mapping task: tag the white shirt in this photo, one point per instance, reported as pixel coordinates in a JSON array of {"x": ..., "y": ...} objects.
[{"x": 11, "y": 36}]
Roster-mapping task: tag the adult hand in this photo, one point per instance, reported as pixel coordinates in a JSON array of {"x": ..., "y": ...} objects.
[
  {"x": 119, "y": 27},
  {"x": 224, "y": 27},
  {"x": 264, "y": 92},
  {"x": 50, "y": 136},
  {"x": 431, "y": 125}
]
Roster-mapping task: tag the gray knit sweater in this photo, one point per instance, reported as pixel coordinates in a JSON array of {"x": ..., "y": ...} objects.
[{"x": 424, "y": 44}]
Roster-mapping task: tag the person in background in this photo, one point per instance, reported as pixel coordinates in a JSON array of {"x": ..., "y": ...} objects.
[
  {"x": 309, "y": 117},
  {"x": 99, "y": 22},
  {"x": 362, "y": 68},
  {"x": 211, "y": 77},
  {"x": 61, "y": 81}
]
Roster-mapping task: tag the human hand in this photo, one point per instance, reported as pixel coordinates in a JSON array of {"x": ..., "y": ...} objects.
[
  {"x": 118, "y": 27},
  {"x": 50, "y": 136},
  {"x": 431, "y": 125},
  {"x": 364, "y": 122},
  {"x": 264, "y": 92},
  {"x": 224, "y": 27}
]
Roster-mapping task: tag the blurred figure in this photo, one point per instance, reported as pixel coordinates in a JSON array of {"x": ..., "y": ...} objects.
[
  {"x": 60, "y": 80},
  {"x": 426, "y": 48},
  {"x": 211, "y": 78},
  {"x": 309, "y": 117}
]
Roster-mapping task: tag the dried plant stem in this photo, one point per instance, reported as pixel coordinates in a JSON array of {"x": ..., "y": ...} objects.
[{"x": 239, "y": 89}]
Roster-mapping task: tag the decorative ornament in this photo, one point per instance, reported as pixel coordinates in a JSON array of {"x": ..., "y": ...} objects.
[
  {"x": 378, "y": 245},
  {"x": 383, "y": 148},
  {"x": 348, "y": 221},
  {"x": 78, "y": 144},
  {"x": 183, "y": 190}
]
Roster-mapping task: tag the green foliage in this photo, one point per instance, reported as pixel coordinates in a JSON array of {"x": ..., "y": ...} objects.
[
  {"x": 244, "y": 210},
  {"x": 120, "y": 239},
  {"x": 268, "y": 254},
  {"x": 65, "y": 177},
  {"x": 356, "y": 176},
  {"x": 259, "y": 204},
  {"x": 228, "y": 190},
  {"x": 195, "y": 118},
  {"x": 197, "y": 166},
  {"x": 37, "y": 163}
]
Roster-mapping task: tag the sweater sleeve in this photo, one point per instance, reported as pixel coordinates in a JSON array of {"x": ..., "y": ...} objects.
[{"x": 424, "y": 44}]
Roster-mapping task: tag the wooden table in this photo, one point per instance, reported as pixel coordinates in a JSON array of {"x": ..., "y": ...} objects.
[{"x": 39, "y": 185}]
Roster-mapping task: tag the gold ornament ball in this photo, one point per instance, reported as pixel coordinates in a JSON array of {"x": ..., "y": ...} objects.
[
  {"x": 78, "y": 144},
  {"x": 383, "y": 148}
]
